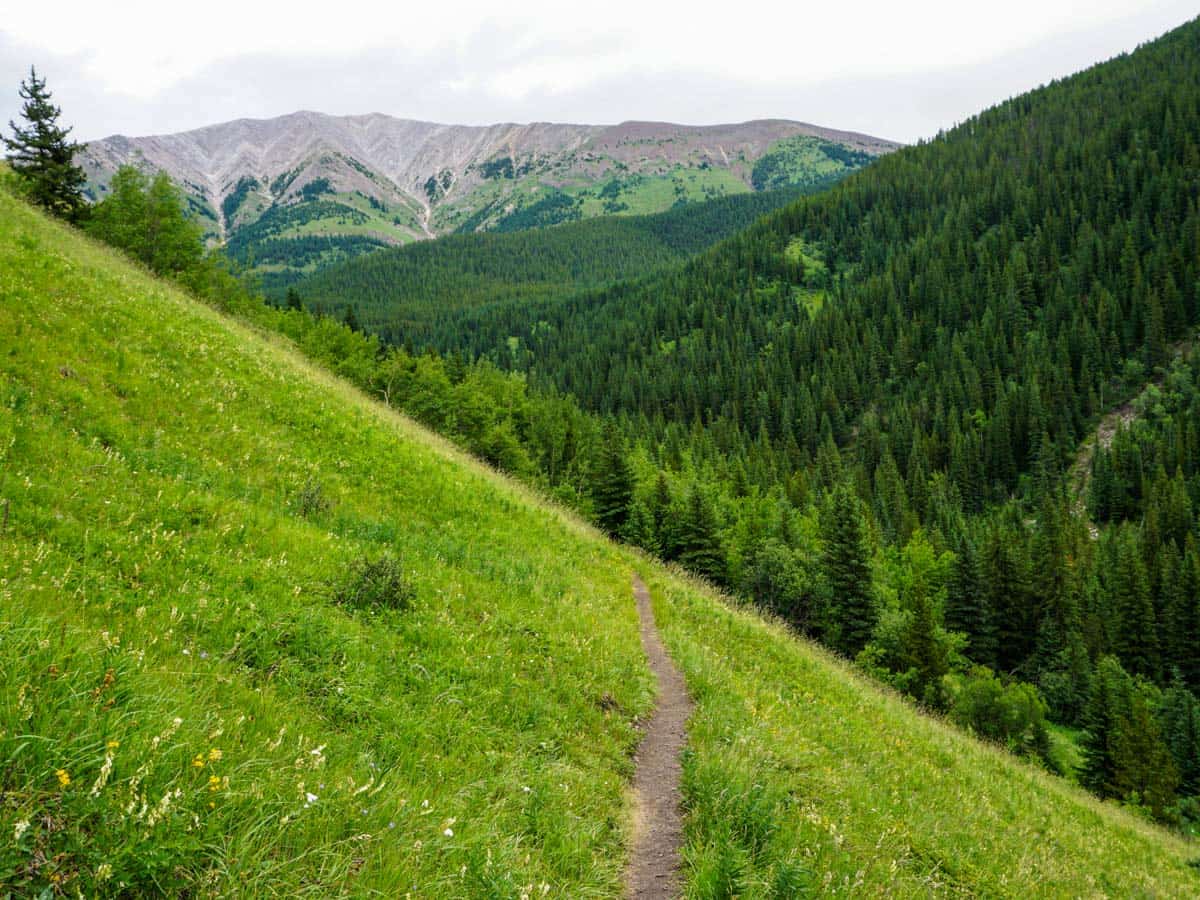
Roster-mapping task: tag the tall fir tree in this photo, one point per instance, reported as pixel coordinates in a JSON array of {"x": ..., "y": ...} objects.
[
  {"x": 612, "y": 482},
  {"x": 699, "y": 539},
  {"x": 41, "y": 154},
  {"x": 846, "y": 567},
  {"x": 967, "y": 608},
  {"x": 1107, "y": 708}
]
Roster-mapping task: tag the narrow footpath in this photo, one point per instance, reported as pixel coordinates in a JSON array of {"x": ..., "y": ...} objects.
[{"x": 653, "y": 870}]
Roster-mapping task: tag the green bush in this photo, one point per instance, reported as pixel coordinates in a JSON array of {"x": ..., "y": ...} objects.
[
  {"x": 1012, "y": 714},
  {"x": 375, "y": 585}
]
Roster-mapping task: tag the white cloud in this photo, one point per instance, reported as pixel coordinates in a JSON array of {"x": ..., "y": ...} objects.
[{"x": 897, "y": 70}]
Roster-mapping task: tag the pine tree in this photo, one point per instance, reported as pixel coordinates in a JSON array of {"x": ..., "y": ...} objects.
[
  {"x": 661, "y": 503},
  {"x": 612, "y": 482},
  {"x": 1108, "y": 705},
  {"x": 1144, "y": 767},
  {"x": 967, "y": 609},
  {"x": 699, "y": 539},
  {"x": 845, "y": 565},
  {"x": 1180, "y": 717},
  {"x": 293, "y": 299},
  {"x": 42, "y": 156},
  {"x": 1137, "y": 635},
  {"x": 638, "y": 529}
]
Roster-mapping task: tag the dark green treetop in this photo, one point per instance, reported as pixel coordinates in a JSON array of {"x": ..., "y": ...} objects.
[{"x": 41, "y": 154}]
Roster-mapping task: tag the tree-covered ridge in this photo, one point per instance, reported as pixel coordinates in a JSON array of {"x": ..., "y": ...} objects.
[
  {"x": 986, "y": 287},
  {"x": 404, "y": 294}
]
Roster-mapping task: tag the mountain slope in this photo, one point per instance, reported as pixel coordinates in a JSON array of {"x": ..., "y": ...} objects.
[
  {"x": 201, "y": 693},
  {"x": 1033, "y": 249},
  {"x": 404, "y": 293},
  {"x": 333, "y": 186}
]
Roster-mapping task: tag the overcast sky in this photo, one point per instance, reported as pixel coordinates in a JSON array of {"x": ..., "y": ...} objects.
[{"x": 895, "y": 70}]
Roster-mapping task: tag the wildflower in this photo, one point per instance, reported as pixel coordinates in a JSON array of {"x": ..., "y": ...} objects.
[
  {"x": 390, "y": 824},
  {"x": 198, "y": 761},
  {"x": 310, "y": 798},
  {"x": 214, "y": 783},
  {"x": 64, "y": 778},
  {"x": 449, "y": 832},
  {"x": 102, "y": 778},
  {"x": 113, "y": 745},
  {"x": 20, "y": 828},
  {"x": 103, "y": 872},
  {"x": 214, "y": 755}
]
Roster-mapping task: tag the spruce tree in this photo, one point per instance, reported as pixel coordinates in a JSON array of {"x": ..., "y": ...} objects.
[
  {"x": 845, "y": 565},
  {"x": 1180, "y": 717},
  {"x": 1107, "y": 708},
  {"x": 41, "y": 154},
  {"x": 1144, "y": 767},
  {"x": 612, "y": 482},
  {"x": 699, "y": 539},
  {"x": 661, "y": 503},
  {"x": 1137, "y": 635},
  {"x": 967, "y": 609}
]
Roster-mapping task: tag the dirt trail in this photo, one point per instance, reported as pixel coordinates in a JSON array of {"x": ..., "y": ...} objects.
[{"x": 653, "y": 870}]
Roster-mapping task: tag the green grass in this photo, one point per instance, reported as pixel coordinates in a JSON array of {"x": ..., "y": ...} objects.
[
  {"x": 186, "y": 501},
  {"x": 803, "y": 778},
  {"x": 156, "y": 462}
]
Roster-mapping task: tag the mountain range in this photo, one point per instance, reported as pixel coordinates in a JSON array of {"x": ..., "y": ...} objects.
[{"x": 298, "y": 191}]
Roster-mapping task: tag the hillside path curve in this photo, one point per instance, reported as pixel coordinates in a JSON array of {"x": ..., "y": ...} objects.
[{"x": 653, "y": 868}]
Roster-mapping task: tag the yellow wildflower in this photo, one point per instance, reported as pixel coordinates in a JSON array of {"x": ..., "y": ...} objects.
[
  {"x": 198, "y": 762},
  {"x": 214, "y": 754},
  {"x": 63, "y": 776},
  {"x": 214, "y": 783},
  {"x": 113, "y": 745}
]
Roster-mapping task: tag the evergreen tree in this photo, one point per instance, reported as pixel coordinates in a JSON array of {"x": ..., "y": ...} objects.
[
  {"x": 1108, "y": 706},
  {"x": 1180, "y": 717},
  {"x": 638, "y": 528},
  {"x": 1137, "y": 636},
  {"x": 924, "y": 640},
  {"x": 699, "y": 540},
  {"x": 293, "y": 299},
  {"x": 612, "y": 482},
  {"x": 41, "y": 154},
  {"x": 1143, "y": 766},
  {"x": 661, "y": 503},
  {"x": 845, "y": 565},
  {"x": 967, "y": 609}
]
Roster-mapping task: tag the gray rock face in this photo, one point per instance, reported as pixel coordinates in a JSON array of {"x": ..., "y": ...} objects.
[{"x": 410, "y": 167}]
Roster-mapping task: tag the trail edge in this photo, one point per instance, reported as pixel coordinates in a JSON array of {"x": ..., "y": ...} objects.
[{"x": 653, "y": 869}]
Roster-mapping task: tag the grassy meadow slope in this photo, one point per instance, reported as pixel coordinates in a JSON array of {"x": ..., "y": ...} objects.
[
  {"x": 183, "y": 498},
  {"x": 190, "y": 700},
  {"x": 805, "y": 778}
]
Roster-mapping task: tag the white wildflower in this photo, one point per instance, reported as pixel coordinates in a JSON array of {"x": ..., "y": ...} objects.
[{"x": 20, "y": 828}]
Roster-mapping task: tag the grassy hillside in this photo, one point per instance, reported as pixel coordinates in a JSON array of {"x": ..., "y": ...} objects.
[
  {"x": 187, "y": 510},
  {"x": 201, "y": 692},
  {"x": 404, "y": 293},
  {"x": 805, "y": 779}
]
